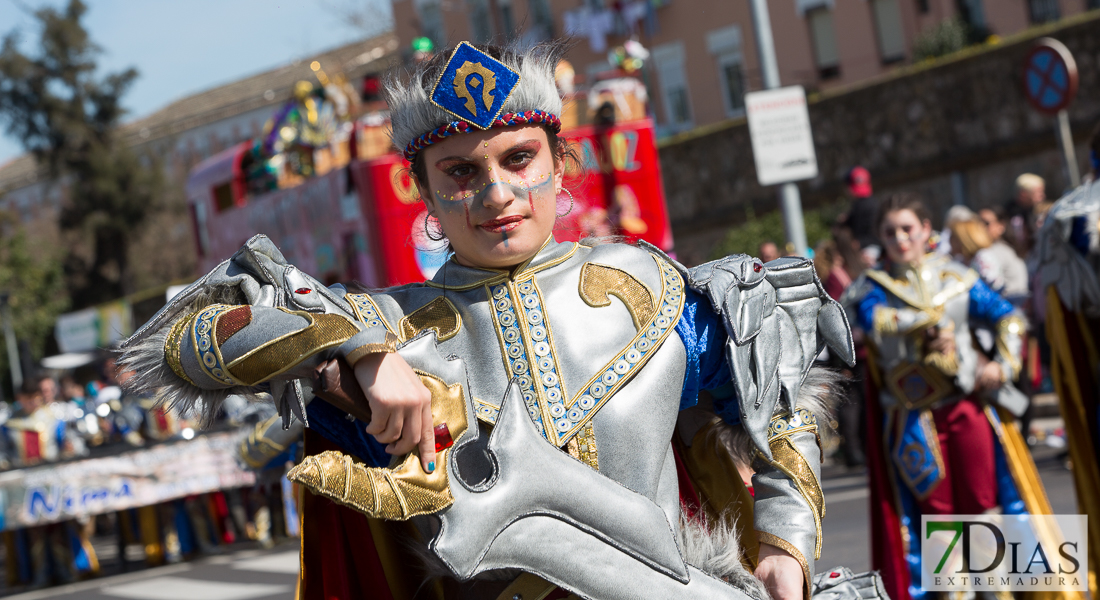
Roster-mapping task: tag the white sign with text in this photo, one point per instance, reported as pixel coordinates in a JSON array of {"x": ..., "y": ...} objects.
[{"x": 782, "y": 143}]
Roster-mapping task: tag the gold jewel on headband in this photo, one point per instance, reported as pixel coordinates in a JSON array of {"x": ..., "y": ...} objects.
[{"x": 474, "y": 86}]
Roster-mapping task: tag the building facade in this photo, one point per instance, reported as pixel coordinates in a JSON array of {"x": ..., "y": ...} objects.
[{"x": 703, "y": 52}]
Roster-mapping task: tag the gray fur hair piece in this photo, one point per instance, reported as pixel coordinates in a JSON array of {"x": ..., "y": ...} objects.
[{"x": 412, "y": 113}]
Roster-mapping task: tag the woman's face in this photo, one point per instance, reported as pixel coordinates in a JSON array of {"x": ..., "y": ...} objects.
[
  {"x": 904, "y": 236},
  {"x": 494, "y": 192}
]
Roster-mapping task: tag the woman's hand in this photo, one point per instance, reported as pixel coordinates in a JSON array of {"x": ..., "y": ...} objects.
[
  {"x": 781, "y": 573},
  {"x": 401, "y": 407},
  {"x": 990, "y": 376},
  {"x": 940, "y": 340}
]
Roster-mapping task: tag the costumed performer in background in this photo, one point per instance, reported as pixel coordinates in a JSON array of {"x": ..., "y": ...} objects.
[
  {"x": 944, "y": 436},
  {"x": 1068, "y": 249},
  {"x": 552, "y": 418}
]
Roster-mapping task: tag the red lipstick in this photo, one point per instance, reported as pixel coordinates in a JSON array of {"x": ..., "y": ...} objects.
[{"x": 501, "y": 224}]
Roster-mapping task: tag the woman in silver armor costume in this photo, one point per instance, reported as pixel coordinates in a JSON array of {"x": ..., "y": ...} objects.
[
  {"x": 943, "y": 425},
  {"x": 538, "y": 451}
]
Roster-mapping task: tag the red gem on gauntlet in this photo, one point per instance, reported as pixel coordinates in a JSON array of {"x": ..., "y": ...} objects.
[{"x": 443, "y": 438}]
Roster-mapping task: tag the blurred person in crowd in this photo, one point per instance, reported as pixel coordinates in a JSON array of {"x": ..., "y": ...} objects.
[
  {"x": 769, "y": 251},
  {"x": 829, "y": 263},
  {"x": 1011, "y": 269},
  {"x": 34, "y": 432},
  {"x": 1024, "y": 212},
  {"x": 1067, "y": 279},
  {"x": 861, "y": 215},
  {"x": 942, "y": 408}
]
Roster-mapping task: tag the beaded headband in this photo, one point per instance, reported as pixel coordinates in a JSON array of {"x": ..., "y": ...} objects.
[
  {"x": 530, "y": 117},
  {"x": 474, "y": 90}
]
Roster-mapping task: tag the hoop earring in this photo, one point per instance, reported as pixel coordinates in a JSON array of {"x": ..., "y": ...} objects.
[
  {"x": 571, "y": 202},
  {"x": 428, "y": 233}
]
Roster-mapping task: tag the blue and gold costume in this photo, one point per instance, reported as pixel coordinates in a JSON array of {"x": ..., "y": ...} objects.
[{"x": 939, "y": 446}]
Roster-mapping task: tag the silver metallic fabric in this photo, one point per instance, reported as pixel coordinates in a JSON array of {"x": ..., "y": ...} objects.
[
  {"x": 842, "y": 584},
  {"x": 1057, "y": 262},
  {"x": 578, "y": 529},
  {"x": 575, "y": 350},
  {"x": 778, "y": 318}
]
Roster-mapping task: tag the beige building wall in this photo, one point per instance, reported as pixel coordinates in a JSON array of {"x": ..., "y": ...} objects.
[{"x": 866, "y": 38}]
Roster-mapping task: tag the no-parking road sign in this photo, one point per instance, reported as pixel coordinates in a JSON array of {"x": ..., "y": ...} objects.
[{"x": 1050, "y": 76}]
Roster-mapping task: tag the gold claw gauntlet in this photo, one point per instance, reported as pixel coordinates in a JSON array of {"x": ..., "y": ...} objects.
[
  {"x": 394, "y": 495},
  {"x": 404, "y": 491}
]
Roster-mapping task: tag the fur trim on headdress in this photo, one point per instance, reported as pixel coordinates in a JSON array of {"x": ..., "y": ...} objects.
[{"x": 412, "y": 113}]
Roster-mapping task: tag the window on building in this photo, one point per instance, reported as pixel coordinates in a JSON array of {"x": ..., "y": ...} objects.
[
  {"x": 431, "y": 21},
  {"x": 891, "y": 40},
  {"x": 973, "y": 14},
  {"x": 668, "y": 61},
  {"x": 823, "y": 36},
  {"x": 481, "y": 25},
  {"x": 541, "y": 18},
  {"x": 922, "y": 6},
  {"x": 725, "y": 45},
  {"x": 1091, "y": 4},
  {"x": 1043, "y": 11},
  {"x": 507, "y": 18}
]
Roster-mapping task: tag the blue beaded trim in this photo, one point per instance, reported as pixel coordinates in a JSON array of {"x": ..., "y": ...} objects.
[
  {"x": 515, "y": 352},
  {"x": 787, "y": 424},
  {"x": 485, "y": 411},
  {"x": 600, "y": 388},
  {"x": 544, "y": 371},
  {"x": 540, "y": 383},
  {"x": 367, "y": 310},
  {"x": 207, "y": 353}
]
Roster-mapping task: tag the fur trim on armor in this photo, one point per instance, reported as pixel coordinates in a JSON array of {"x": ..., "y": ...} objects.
[
  {"x": 153, "y": 375},
  {"x": 412, "y": 113},
  {"x": 715, "y": 549},
  {"x": 819, "y": 393}
]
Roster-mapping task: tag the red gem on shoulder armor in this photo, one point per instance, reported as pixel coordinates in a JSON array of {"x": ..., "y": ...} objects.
[
  {"x": 834, "y": 575},
  {"x": 443, "y": 438},
  {"x": 757, "y": 267},
  {"x": 302, "y": 291}
]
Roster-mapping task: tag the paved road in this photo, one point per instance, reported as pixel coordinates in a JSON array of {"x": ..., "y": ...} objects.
[
  {"x": 251, "y": 574},
  {"x": 241, "y": 575}
]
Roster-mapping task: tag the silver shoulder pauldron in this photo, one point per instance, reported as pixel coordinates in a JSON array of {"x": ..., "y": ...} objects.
[{"x": 778, "y": 318}]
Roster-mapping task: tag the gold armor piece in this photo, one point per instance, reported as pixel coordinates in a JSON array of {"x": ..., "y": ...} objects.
[
  {"x": 438, "y": 315},
  {"x": 282, "y": 354},
  {"x": 598, "y": 281},
  {"x": 391, "y": 494}
]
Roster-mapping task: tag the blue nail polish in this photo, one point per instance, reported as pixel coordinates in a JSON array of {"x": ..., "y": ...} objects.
[{"x": 431, "y": 467}]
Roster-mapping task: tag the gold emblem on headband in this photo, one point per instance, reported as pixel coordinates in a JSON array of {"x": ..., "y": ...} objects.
[{"x": 488, "y": 83}]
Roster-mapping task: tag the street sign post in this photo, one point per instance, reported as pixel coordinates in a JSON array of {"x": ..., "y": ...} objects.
[
  {"x": 782, "y": 142},
  {"x": 789, "y": 197},
  {"x": 1050, "y": 84}
]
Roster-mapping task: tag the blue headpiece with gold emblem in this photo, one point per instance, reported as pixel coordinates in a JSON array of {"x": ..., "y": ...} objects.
[{"x": 475, "y": 89}]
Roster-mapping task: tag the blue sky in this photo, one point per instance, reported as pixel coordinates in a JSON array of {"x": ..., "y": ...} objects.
[{"x": 184, "y": 46}]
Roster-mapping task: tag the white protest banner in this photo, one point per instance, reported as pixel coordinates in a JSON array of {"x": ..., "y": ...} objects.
[{"x": 142, "y": 477}]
